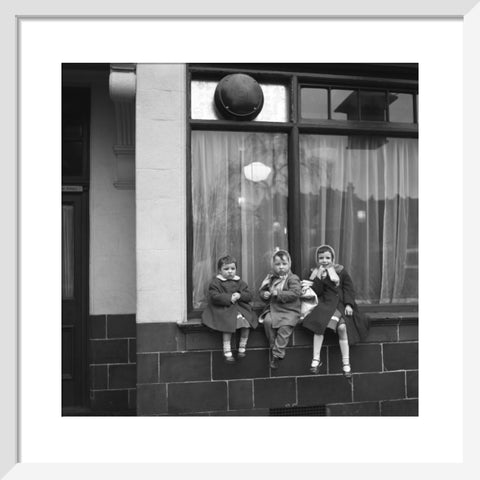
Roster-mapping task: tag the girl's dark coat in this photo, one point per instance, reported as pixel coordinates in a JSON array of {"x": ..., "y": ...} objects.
[
  {"x": 285, "y": 308},
  {"x": 221, "y": 313},
  {"x": 330, "y": 298}
]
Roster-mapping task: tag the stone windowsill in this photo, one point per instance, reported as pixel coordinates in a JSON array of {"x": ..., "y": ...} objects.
[{"x": 377, "y": 318}]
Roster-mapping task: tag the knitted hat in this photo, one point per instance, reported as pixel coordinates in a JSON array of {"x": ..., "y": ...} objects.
[{"x": 325, "y": 247}]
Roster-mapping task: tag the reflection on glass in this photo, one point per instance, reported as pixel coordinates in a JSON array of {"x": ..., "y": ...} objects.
[
  {"x": 314, "y": 103},
  {"x": 256, "y": 171},
  {"x": 372, "y": 106},
  {"x": 344, "y": 105},
  {"x": 237, "y": 211},
  {"x": 67, "y": 251},
  {"x": 276, "y": 102},
  {"x": 401, "y": 108},
  {"x": 364, "y": 202}
]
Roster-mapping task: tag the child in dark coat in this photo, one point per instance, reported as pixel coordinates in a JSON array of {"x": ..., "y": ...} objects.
[
  {"x": 281, "y": 289},
  {"x": 229, "y": 307},
  {"x": 336, "y": 308}
]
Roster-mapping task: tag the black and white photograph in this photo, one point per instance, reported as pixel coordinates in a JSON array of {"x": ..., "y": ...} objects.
[
  {"x": 218, "y": 262},
  {"x": 240, "y": 239}
]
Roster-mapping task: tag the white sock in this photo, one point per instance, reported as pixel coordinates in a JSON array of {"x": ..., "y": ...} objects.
[
  {"x": 317, "y": 346},
  {"x": 227, "y": 349},
  {"x": 242, "y": 344},
  {"x": 345, "y": 354}
]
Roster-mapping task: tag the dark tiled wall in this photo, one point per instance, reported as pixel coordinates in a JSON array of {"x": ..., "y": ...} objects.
[
  {"x": 181, "y": 371},
  {"x": 112, "y": 359}
]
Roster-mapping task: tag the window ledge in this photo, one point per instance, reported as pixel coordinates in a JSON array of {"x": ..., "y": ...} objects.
[{"x": 377, "y": 318}]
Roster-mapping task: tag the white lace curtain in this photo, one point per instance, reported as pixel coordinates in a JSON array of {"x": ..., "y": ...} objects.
[
  {"x": 360, "y": 195},
  {"x": 232, "y": 214}
]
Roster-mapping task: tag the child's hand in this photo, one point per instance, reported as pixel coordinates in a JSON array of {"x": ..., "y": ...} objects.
[
  {"x": 235, "y": 297},
  {"x": 266, "y": 294},
  {"x": 348, "y": 310}
]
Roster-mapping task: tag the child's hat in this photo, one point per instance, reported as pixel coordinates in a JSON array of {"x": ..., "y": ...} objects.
[
  {"x": 282, "y": 252},
  {"x": 325, "y": 247}
]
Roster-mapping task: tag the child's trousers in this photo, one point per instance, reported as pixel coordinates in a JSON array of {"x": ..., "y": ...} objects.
[{"x": 277, "y": 337}]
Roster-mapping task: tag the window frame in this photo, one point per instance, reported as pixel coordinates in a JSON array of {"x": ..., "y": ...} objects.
[{"x": 385, "y": 77}]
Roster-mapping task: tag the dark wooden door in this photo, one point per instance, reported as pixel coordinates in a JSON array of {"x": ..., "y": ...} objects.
[
  {"x": 74, "y": 296},
  {"x": 75, "y": 225}
]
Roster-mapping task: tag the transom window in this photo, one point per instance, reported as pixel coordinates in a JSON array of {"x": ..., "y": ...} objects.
[{"x": 365, "y": 105}]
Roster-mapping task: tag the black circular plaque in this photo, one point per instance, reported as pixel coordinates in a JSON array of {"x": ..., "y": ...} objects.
[{"x": 239, "y": 97}]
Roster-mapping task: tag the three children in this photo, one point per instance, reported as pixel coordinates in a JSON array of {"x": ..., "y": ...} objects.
[{"x": 229, "y": 307}]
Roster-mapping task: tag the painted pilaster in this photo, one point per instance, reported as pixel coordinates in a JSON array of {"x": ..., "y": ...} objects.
[{"x": 160, "y": 193}]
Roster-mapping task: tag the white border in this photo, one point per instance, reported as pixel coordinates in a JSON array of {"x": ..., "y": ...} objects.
[{"x": 471, "y": 242}]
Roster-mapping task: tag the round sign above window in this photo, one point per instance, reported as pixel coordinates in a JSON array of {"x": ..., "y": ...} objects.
[{"x": 239, "y": 97}]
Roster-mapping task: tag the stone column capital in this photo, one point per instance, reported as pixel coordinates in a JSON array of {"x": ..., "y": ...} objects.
[{"x": 122, "y": 82}]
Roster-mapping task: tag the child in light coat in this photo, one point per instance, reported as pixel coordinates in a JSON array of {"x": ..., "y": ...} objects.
[{"x": 281, "y": 290}]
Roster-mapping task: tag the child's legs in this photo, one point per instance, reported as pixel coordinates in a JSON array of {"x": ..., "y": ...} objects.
[
  {"x": 317, "y": 345},
  {"x": 343, "y": 342},
  {"x": 270, "y": 332},
  {"x": 227, "y": 342},
  {"x": 281, "y": 341},
  {"x": 244, "y": 332}
]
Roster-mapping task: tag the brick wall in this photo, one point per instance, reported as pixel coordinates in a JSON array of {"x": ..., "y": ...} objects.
[
  {"x": 181, "y": 371},
  {"x": 112, "y": 364}
]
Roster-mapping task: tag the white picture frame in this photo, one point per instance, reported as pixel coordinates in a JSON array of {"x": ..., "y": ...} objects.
[{"x": 13, "y": 13}]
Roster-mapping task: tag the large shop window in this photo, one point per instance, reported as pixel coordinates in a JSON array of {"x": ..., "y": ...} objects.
[
  {"x": 360, "y": 194},
  {"x": 239, "y": 203},
  {"x": 331, "y": 158}
]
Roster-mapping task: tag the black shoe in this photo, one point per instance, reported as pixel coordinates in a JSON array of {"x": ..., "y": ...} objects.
[
  {"x": 274, "y": 362},
  {"x": 241, "y": 354},
  {"x": 347, "y": 374}
]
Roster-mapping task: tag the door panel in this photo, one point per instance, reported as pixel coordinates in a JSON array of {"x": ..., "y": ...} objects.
[{"x": 74, "y": 298}]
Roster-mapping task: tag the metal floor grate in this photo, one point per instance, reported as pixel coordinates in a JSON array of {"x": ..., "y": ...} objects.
[{"x": 315, "y": 411}]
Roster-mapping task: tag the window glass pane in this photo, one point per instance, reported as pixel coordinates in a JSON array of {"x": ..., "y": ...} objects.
[
  {"x": 314, "y": 103},
  {"x": 401, "y": 107},
  {"x": 416, "y": 108},
  {"x": 344, "y": 105},
  {"x": 372, "y": 106},
  {"x": 72, "y": 158},
  {"x": 360, "y": 195},
  {"x": 276, "y": 102},
  {"x": 239, "y": 204},
  {"x": 67, "y": 251}
]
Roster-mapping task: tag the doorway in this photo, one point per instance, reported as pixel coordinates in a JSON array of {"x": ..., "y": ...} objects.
[{"x": 75, "y": 259}]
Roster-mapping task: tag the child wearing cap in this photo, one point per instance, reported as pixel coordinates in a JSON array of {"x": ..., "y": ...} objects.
[
  {"x": 229, "y": 307},
  {"x": 336, "y": 308},
  {"x": 281, "y": 290}
]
